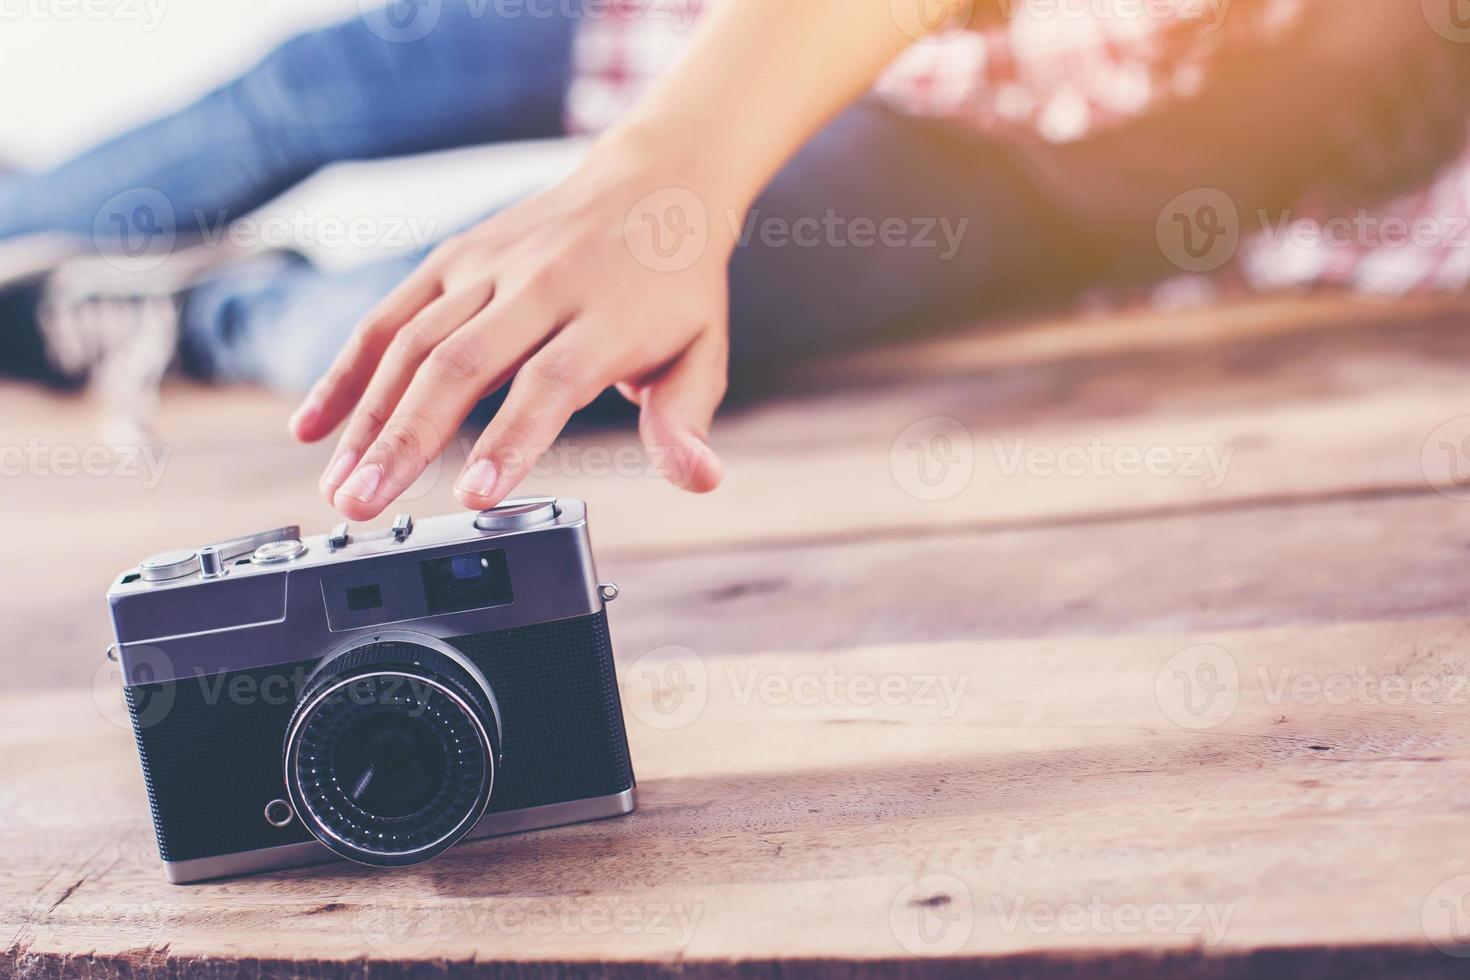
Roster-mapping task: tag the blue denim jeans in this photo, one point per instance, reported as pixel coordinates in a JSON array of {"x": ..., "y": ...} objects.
[
  {"x": 352, "y": 91},
  {"x": 881, "y": 223}
]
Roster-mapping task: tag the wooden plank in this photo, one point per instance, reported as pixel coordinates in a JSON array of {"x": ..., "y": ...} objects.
[
  {"x": 1057, "y": 808},
  {"x": 1307, "y": 562},
  {"x": 1304, "y": 563},
  {"x": 1326, "y": 406},
  {"x": 1030, "y": 474},
  {"x": 1298, "y": 415},
  {"x": 1128, "y": 331},
  {"x": 1076, "y": 806},
  {"x": 1310, "y": 400}
]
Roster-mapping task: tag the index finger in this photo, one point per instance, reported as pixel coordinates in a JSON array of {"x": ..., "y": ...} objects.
[
  {"x": 446, "y": 386},
  {"x": 336, "y": 392}
]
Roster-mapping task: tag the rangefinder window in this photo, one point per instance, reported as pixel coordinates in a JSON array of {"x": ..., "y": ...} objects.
[
  {"x": 364, "y": 597},
  {"x": 470, "y": 581}
]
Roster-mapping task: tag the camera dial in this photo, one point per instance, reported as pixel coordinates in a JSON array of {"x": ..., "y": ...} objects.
[{"x": 391, "y": 752}]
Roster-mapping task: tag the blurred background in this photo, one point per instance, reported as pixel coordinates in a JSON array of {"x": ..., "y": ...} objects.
[
  {"x": 86, "y": 79},
  {"x": 222, "y": 463},
  {"x": 831, "y": 463},
  {"x": 1064, "y": 507}
]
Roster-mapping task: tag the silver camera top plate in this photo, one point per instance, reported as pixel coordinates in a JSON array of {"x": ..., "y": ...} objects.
[{"x": 299, "y": 601}]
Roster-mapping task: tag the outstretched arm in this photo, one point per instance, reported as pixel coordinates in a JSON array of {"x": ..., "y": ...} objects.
[{"x": 615, "y": 276}]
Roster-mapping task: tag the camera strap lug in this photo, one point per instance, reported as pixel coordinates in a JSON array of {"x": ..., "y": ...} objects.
[{"x": 608, "y": 590}]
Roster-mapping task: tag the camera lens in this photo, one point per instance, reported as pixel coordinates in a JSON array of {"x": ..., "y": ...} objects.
[
  {"x": 390, "y": 765},
  {"x": 390, "y": 755}
]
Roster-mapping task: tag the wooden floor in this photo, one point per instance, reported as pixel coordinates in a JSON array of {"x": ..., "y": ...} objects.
[{"x": 935, "y": 685}]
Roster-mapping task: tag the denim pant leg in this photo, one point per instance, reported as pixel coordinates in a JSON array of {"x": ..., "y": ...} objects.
[
  {"x": 406, "y": 78},
  {"x": 280, "y": 326},
  {"x": 887, "y": 224},
  {"x": 883, "y": 223}
]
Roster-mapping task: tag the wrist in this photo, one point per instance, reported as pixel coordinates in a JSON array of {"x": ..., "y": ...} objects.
[{"x": 657, "y": 156}]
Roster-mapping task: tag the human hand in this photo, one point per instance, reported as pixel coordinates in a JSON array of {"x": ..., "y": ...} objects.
[{"x": 557, "y": 296}]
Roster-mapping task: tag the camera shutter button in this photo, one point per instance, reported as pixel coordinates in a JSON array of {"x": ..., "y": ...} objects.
[
  {"x": 277, "y": 552},
  {"x": 169, "y": 565},
  {"x": 515, "y": 514}
]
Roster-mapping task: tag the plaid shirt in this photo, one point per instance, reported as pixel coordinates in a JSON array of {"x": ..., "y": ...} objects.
[{"x": 1062, "y": 70}]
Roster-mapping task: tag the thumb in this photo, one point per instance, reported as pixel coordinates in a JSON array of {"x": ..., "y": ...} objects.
[{"x": 678, "y": 407}]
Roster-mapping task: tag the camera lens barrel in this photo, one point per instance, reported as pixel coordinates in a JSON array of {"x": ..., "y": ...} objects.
[{"x": 391, "y": 752}]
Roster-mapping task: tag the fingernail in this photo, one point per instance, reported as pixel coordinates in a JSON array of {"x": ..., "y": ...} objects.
[
  {"x": 364, "y": 483},
  {"x": 339, "y": 469},
  {"x": 690, "y": 443},
  {"x": 307, "y": 414},
  {"x": 478, "y": 479}
]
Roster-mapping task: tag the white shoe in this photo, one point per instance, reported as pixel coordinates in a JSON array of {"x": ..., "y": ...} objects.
[
  {"x": 118, "y": 329},
  {"x": 31, "y": 257},
  {"x": 120, "y": 344}
]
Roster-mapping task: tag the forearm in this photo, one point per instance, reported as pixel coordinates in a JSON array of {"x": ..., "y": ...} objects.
[
  {"x": 760, "y": 78},
  {"x": 576, "y": 290}
]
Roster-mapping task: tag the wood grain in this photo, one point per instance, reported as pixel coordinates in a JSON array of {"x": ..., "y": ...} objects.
[
  {"x": 982, "y": 735},
  {"x": 1307, "y": 562},
  {"x": 1338, "y": 404},
  {"x": 1126, "y": 331},
  {"x": 1309, "y": 400},
  {"x": 1064, "y": 803}
]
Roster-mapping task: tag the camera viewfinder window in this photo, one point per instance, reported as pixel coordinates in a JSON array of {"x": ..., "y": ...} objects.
[
  {"x": 471, "y": 581},
  {"x": 364, "y": 597}
]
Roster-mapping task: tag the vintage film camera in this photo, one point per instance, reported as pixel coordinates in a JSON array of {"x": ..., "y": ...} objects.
[{"x": 375, "y": 696}]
